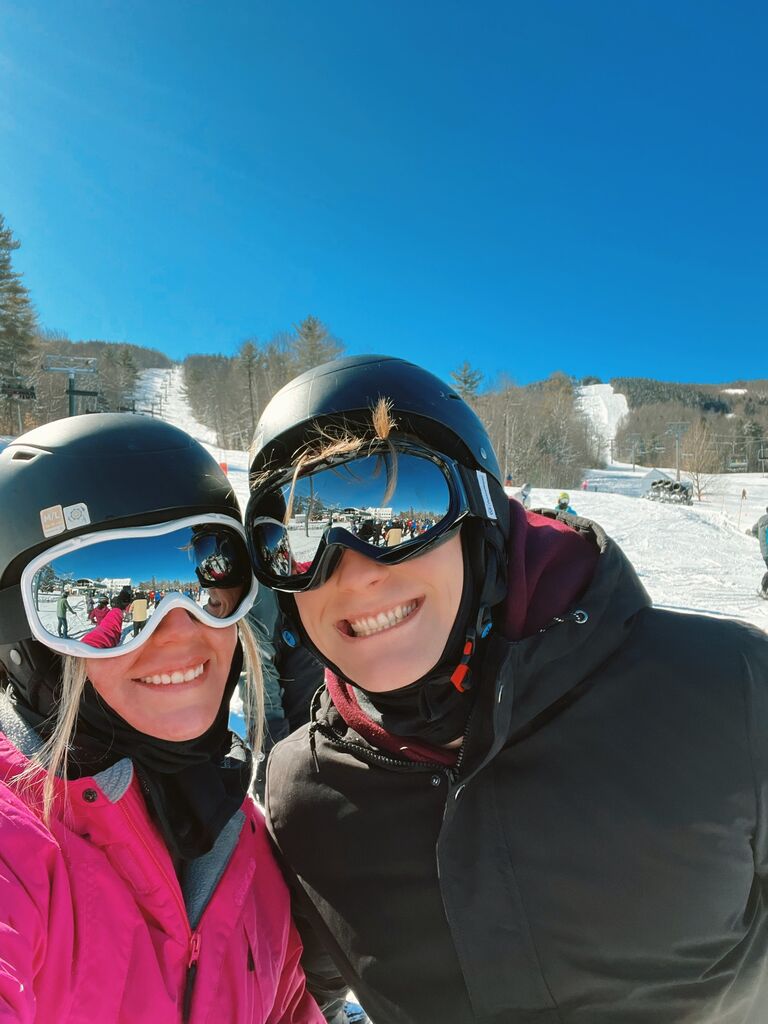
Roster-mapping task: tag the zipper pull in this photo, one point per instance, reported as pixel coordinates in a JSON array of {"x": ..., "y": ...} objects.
[{"x": 194, "y": 955}]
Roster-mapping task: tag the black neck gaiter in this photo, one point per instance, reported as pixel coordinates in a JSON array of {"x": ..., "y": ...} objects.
[{"x": 192, "y": 788}]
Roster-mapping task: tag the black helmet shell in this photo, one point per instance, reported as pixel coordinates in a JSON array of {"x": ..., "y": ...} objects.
[
  {"x": 347, "y": 389},
  {"x": 110, "y": 470}
]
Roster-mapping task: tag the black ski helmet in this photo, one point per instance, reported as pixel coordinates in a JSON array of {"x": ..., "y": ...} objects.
[
  {"x": 343, "y": 392},
  {"x": 109, "y": 469},
  {"x": 346, "y": 390}
]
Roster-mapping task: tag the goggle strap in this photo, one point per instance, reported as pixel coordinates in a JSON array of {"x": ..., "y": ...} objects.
[
  {"x": 477, "y": 485},
  {"x": 14, "y": 626}
]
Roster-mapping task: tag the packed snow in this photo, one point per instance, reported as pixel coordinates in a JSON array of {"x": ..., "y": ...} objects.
[
  {"x": 696, "y": 558},
  {"x": 606, "y": 409}
]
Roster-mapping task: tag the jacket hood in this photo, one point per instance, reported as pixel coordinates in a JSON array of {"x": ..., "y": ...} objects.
[{"x": 561, "y": 647}]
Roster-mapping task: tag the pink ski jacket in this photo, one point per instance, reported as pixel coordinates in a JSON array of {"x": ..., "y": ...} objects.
[{"x": 95, "y": 926}]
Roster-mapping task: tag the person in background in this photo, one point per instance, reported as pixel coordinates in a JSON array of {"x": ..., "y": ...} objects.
[
  {"x": 139, "y": 610},
  {"x": 109, "y": 630},
  {"x": 525, "y": 794},
  {"x": 137, "y": 882},
  {"x": 62, "y": 607},
  {"x": 394, "y": 534},
  {"x": 100, "y": 610},
  {"x": 564, "y": 503},
  {"x": 760, "y": 530},
  {"x": 291, "y": 678}
]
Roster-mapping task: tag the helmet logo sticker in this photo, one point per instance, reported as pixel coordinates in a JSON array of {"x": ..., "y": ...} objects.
[
  {"x": 52, "y": 520},
  {"x": 482, "y": 480},
  {"x": 76, "y": 515},
  {"x": 56, "y": 519}
]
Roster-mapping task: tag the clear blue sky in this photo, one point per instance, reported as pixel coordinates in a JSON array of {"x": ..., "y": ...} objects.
[{"x": 530, "y": 186}]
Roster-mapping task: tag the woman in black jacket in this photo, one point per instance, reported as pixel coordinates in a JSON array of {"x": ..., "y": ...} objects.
[{"x": 525, "y": 795}]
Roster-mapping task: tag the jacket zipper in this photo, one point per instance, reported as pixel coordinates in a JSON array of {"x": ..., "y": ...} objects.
[
  {"x": 372, "y": 755},
  {"x": 189, "y": 984},
  {"x": 193, "y": 937}
]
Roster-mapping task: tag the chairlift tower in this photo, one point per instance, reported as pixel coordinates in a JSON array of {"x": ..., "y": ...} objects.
[
  {"x": 18, "y": 389},
  {"x": 72, "y": 365},
  {"x": 677, "y": 430},
  {"x": 635, "y": 442}
]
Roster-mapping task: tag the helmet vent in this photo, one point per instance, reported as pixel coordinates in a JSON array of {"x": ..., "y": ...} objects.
[{"x": 24, "y": 456}]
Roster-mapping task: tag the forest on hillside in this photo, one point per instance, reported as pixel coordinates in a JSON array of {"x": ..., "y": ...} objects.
[
  {"x": 711, "y": 429},
  {"x": 538, "y": 429}
]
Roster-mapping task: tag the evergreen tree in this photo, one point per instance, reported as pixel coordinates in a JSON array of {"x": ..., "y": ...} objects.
[
  {"x": 250, "y": 360},
  {"x": 18, "y": 326},
  {"x": 467, "y": 380},
  {"x": 314, "y": 344}
]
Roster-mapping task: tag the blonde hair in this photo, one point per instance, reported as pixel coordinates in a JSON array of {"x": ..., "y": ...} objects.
[
  {"x": 336, "y": 441},
  {"x": 51, "y": 760}
]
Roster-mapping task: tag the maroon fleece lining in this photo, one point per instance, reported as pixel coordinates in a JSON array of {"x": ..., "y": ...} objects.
[{"x": 550, "y": 567}]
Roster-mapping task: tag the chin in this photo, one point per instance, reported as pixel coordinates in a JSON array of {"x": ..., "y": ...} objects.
[
  {"x": 180, "y": 732},
  {"x": 389, "y": 679}
]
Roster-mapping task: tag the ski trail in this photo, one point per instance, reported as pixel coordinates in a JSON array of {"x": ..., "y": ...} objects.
[{"x": 165, "y": 388}]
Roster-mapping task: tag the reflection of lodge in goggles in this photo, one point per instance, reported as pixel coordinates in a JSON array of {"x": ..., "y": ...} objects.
[
  {"x": 386, "y": 506},
  {"x": 199, "y": 563}
]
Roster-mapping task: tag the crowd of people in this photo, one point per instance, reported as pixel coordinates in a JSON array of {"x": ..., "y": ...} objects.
[
  {"x": 389, "y": 532},
  {"x": 497, "y": 784}
]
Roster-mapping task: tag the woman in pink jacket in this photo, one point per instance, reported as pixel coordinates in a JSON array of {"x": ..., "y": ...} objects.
[{"x": 136, "y": 880}]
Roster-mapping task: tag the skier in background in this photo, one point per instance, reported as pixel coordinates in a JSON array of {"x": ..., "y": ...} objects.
[
  {"x": 760, "y": 530},
  {"x": 564, "y": 503},
  {"x": 62, "y": 607},
  {"x": 139, "y": 612},
  {"x": 98, "y": 613}
]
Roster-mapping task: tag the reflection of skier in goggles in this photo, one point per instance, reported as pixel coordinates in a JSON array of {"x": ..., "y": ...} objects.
[
  {"x": 119, "y": 777},
  {"x": 525, "y": 794}
]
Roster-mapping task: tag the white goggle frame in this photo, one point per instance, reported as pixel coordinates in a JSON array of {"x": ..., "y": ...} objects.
[{"x": 171, "y": 600}]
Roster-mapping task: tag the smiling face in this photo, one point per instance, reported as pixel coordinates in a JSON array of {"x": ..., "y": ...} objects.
[
  {"x": 385, "y": 626},
  {"x": 172, "y": 686}
]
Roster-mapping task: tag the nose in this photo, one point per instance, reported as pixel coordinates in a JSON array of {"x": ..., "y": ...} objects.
[
  {"x": 176, "y": 626},
  {"x": 357, "y": 572}
]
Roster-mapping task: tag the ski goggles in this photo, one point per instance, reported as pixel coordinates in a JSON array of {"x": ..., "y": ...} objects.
[
  {"x": 103, "y": 594},
  {"x": 389, "y": 505}
]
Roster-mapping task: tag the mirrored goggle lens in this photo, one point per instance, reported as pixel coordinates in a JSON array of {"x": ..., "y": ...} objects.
[
  {"x": 104, "y": 593},
  {"x": 384, "y": 503}
]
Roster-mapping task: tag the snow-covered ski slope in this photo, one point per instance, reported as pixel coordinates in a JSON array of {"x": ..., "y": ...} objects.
[
  {"x": 165, "y": 388},
  {"x": 692, "y": 559},
  {"x": 606, "y": 409}
]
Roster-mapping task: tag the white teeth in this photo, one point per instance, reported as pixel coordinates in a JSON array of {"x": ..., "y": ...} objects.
[
  {"x": 178, "y": 676},
  {"x": 384, "y": 620}
]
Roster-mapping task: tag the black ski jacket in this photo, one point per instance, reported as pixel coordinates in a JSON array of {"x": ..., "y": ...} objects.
[{"x": 600, "y": 854}]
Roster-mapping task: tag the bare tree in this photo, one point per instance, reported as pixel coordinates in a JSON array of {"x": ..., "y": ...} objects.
[{"x": 701, "y": 460}]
